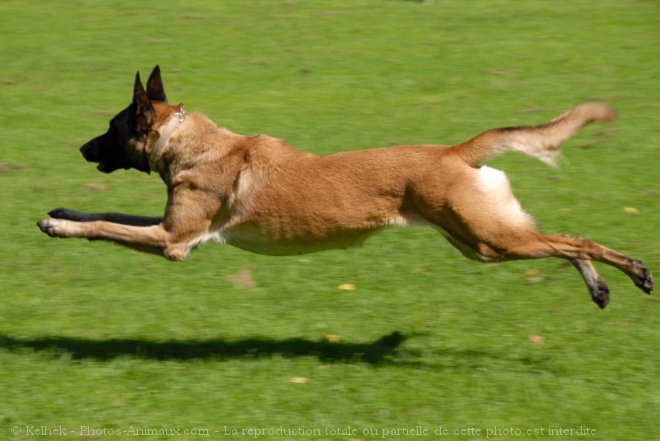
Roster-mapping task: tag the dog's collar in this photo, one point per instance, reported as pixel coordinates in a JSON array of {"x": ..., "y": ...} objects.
[{"x": 171, "y": 125}]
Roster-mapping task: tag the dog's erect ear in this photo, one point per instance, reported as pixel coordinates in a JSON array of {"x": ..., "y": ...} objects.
[
  {"x": 144, "y": 111},
  {"x": 155, "y": 88}
]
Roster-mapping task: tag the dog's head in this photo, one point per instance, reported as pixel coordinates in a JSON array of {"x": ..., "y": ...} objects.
[{"x": 123, "y": 145}]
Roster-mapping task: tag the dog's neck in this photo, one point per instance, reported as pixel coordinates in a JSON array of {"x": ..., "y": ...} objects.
[{"x": 164, "y": 135}]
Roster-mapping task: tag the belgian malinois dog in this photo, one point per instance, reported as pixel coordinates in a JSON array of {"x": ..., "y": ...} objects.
[{"x": 260, "y": 194}]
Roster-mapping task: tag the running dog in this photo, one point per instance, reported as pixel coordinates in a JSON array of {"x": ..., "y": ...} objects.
[{"x": 261, "y": 194}]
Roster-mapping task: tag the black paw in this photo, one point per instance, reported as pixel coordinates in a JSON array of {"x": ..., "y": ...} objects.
[
  {"x": 65, "y": 213},
  {"x": 600, "y": 293},
  {"x": 644, "y": 279}
]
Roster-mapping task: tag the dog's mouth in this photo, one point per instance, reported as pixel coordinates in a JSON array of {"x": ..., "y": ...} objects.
[
  {"x": 91, "y": 153},
  {"x": 103, "y": 168}
]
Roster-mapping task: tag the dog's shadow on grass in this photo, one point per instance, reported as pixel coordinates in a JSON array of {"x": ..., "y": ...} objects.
[
  {"x": 381, "y": 351},
  {"x": 385, "y": 351}
]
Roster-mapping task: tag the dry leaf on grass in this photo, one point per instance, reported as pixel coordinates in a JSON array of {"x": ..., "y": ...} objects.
[
  {"x": 631, "y": 210},
  {"x": 347, "y": 287},
  {"x": 243, "y": 279},
  {"x": 536, "y": 279},
  {"x": 333, "y": 338},
  {"x": 299, "y": 380},
  {"x": 533, "y": 275},
  {"x": 95, "y": 186},
  {"x": 537, "y": 339},
  {"x": 6, "y": 168}
]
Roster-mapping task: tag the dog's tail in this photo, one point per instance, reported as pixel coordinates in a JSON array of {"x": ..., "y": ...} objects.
[{"x": 541, "y": 142}]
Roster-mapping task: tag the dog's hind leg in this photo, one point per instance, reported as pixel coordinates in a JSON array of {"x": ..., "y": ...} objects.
[
  {"x": 481, "y": 217},
  {"x": 555, "y": 245},
  {"x": 512, "y": 244},
  {"x": 117, "y": 218}
]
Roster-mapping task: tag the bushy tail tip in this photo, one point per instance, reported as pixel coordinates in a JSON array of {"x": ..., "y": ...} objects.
[{"x": 542, "y": 142}]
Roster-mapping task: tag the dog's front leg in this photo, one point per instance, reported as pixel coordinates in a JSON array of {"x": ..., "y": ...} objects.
[
  {"x": 188, "y": 217},
  {"x": 117, "y": 218},
  {"x": 154, "y": 239}
]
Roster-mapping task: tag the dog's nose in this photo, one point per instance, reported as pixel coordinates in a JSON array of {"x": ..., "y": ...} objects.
[{"x": 90, "y": 151}]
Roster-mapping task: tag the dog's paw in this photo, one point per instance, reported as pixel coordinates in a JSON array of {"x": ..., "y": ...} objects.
[
  {"x": 58, "y": 227},
  {"x": 49, "y": 226},
  {"x": 643, "y": 278},
  {"x": 65, "y": 213},
  {"x": 600, "y": 293}
]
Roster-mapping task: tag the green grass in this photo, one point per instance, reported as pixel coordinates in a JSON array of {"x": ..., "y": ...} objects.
[{"x": 98, "y": 336}]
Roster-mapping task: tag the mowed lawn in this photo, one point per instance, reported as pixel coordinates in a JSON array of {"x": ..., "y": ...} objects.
[{"x": 400, "y": 339}]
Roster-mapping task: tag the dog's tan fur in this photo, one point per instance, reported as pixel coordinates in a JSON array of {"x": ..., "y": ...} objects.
[{"x": 260, "y": 194}]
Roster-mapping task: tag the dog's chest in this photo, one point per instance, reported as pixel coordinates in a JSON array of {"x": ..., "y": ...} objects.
[
  {"x": 261, "y": 239},
  {"x": 251, "y": 239}
]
